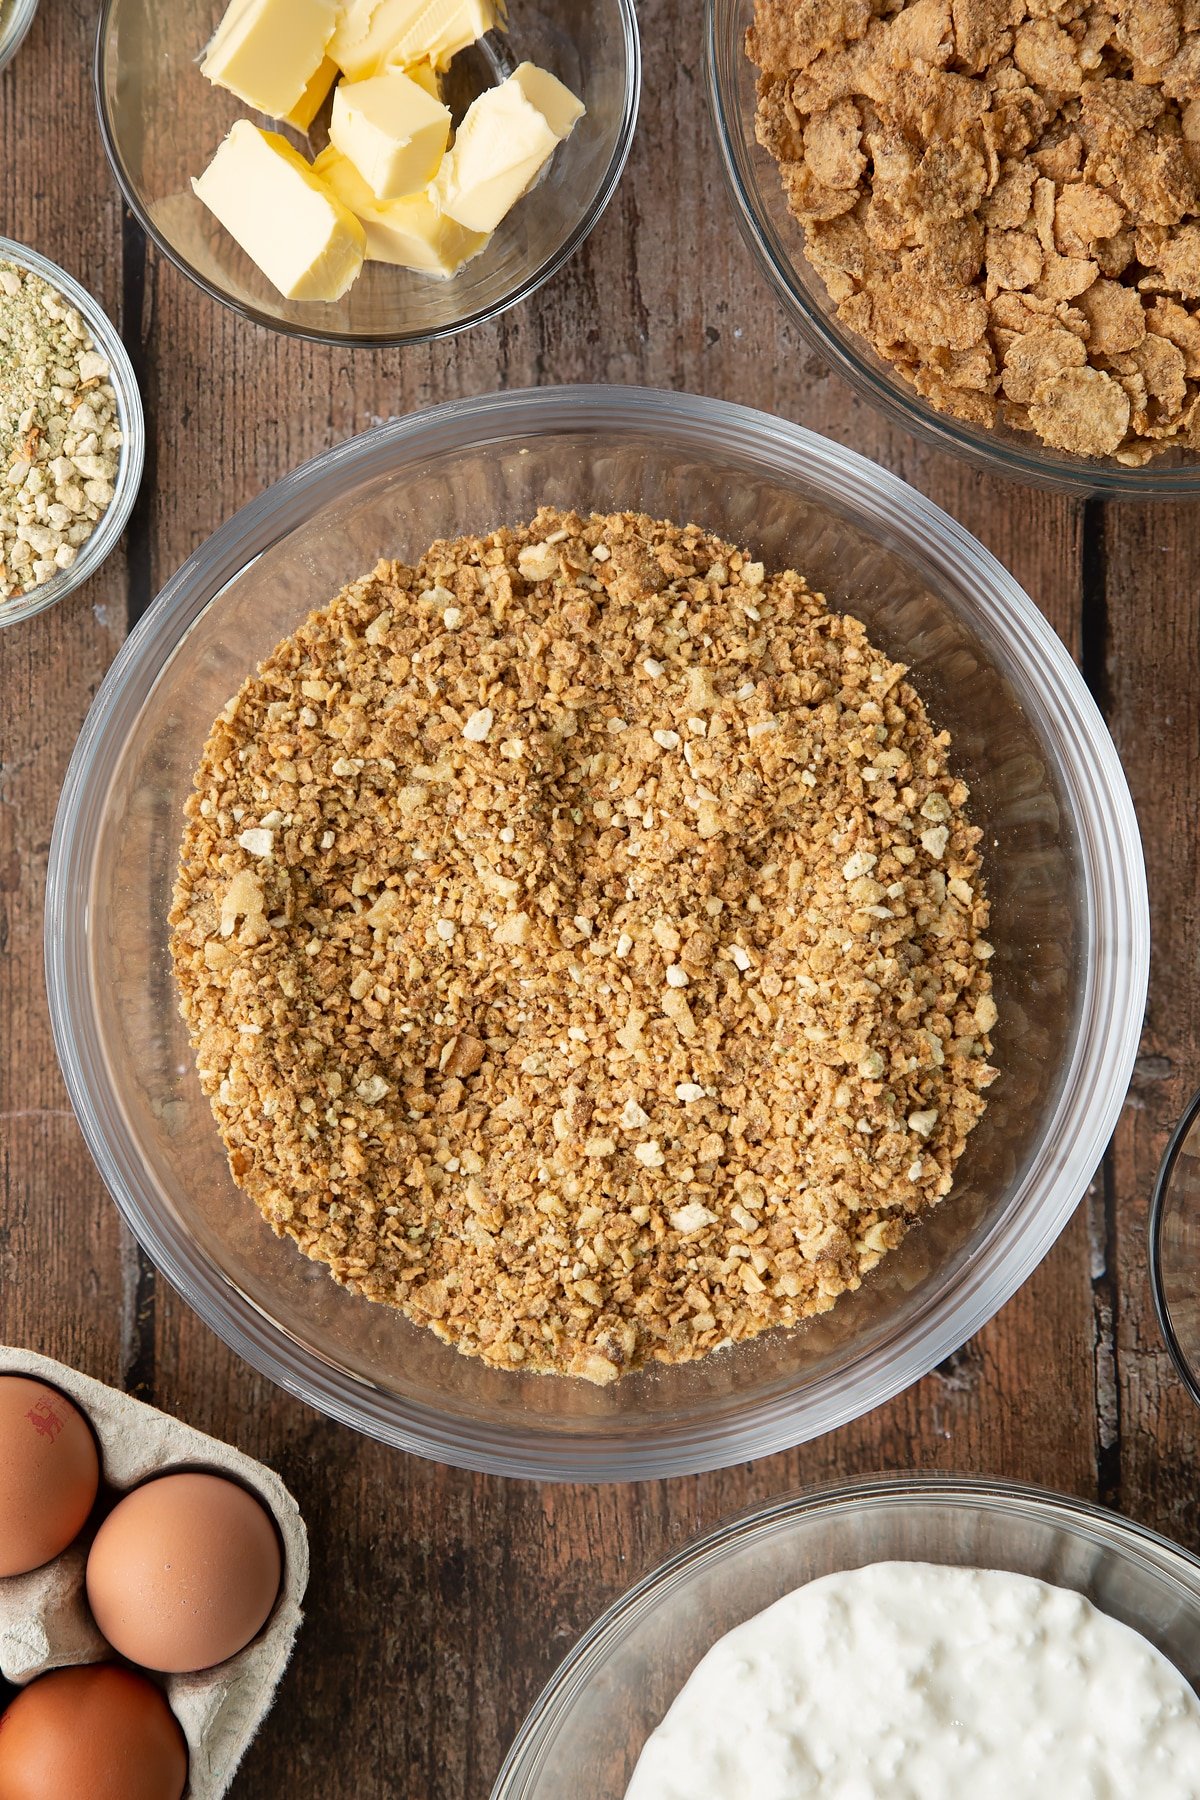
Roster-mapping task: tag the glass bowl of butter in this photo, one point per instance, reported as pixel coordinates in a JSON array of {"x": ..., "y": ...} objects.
[{"x": 440, "y": 170}]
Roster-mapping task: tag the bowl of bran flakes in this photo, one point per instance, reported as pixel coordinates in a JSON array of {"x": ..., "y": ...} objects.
[
  {"x": 987, "y": 220},
  {"x": 387, "y": 1009}
]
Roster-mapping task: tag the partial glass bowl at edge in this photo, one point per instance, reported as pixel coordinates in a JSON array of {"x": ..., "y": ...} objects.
[
  {"x": 1175, "y": 1247},
  {"x": 15, "y": 21},
  {"x": 113, "y": 521},
  {"x": 777, "y": 242},
  {"x": 162, "y": 122},
  {"x": 587, "y": 1729},
  {"x": 1070, "y": 921}
]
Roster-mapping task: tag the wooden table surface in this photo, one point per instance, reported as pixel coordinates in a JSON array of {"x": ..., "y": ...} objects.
[{"x": 441, "y": 1601}]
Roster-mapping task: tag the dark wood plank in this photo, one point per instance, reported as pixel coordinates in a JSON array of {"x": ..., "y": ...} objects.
[
  {"x": 67, "y": 1267},
  {"x": 1151, "y": 636}
]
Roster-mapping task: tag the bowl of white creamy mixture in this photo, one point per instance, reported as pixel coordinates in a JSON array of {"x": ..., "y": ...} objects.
[{"x": 919, "y": 1638}]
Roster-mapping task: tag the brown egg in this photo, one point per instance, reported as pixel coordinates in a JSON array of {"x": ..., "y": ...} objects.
[
  {"x": 184, "y": 1572},
  {"x": 49, "y": 1473},
  {"x": 99, "y": 1733}
]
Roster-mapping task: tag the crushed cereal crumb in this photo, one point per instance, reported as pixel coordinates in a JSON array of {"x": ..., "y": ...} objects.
[{"x": 440, "y": 1020}]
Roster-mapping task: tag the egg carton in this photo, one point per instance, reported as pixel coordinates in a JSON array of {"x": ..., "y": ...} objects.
[{"x": 44, "y": 1618}]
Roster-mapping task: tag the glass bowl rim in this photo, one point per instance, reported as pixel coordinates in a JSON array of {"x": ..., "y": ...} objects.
[
  {"x": 1038, "y": 467},
  {"x": 1113, "y": 984},
  {"x": 588, "y": 1655},
  {"x": 23, "y": 14},
  {"x": 1158, "y": 1206},
  {"x": 530, "y": 283},
  {"x": 131, "y": 463}
]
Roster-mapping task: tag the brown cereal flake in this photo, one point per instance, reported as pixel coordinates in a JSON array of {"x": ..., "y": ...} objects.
[
  {"x": 1014, "y": 260},
  {"x": 831, "y": 145},
  {"x": 1038, "y": 358},
  {"x": 1116, "y": 317},
  {"x": 1081, "y": 409},
  {"x": 1084, "y": 216},
  {"x": 1178, "y": 262},
  {"x": 1166, "y": 318}
]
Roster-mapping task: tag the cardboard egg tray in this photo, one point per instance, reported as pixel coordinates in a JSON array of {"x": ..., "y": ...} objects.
[{"x": 44, "y": 1618}]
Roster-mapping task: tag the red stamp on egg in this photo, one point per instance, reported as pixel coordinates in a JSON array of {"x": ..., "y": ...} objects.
[{"x": 45, "y": 1420}]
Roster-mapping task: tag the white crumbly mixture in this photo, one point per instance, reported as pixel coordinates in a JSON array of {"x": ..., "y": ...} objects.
[{"x": 919, "y": 1682}]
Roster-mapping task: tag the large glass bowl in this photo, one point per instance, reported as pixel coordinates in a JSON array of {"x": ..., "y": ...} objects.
[
  {"x": 112, "y": 522},
  {"x": 587, "y": 1730},
  {"x": 162, "y": 122},
  {"x": 778, "y": 244},
  {"x": 1065, "y": 868}
]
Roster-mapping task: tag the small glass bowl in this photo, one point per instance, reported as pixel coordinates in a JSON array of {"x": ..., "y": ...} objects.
[
  {"x": 162, "y": 123},
  {"x": 133, "y": 451},
  {"x": 1175, "y": 1247},
  {"x": 1070, "y": 920},
  {"x": 15, "y": 19},
  {"x": 777, "y": 241},
  {"x": 587, "y": 1729}
]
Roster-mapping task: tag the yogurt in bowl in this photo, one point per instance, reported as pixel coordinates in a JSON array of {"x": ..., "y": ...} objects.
[
  {"x": 896, "y": 1635},
  {"x": 917, "y": 1678}
]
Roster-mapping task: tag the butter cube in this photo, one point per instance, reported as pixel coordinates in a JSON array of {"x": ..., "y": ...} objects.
[
  {"x": 505, "y": 141},
  {"x": 393, "y": 132},
  {"x": 313, "y": 97},
  {"x": 423, "y": 73},
  {"x": 282, "y": 214},
  {"x": 269, "y": 53},
  {"x": 410, "y": 233},
  {"x": 374, "y": 32}
]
